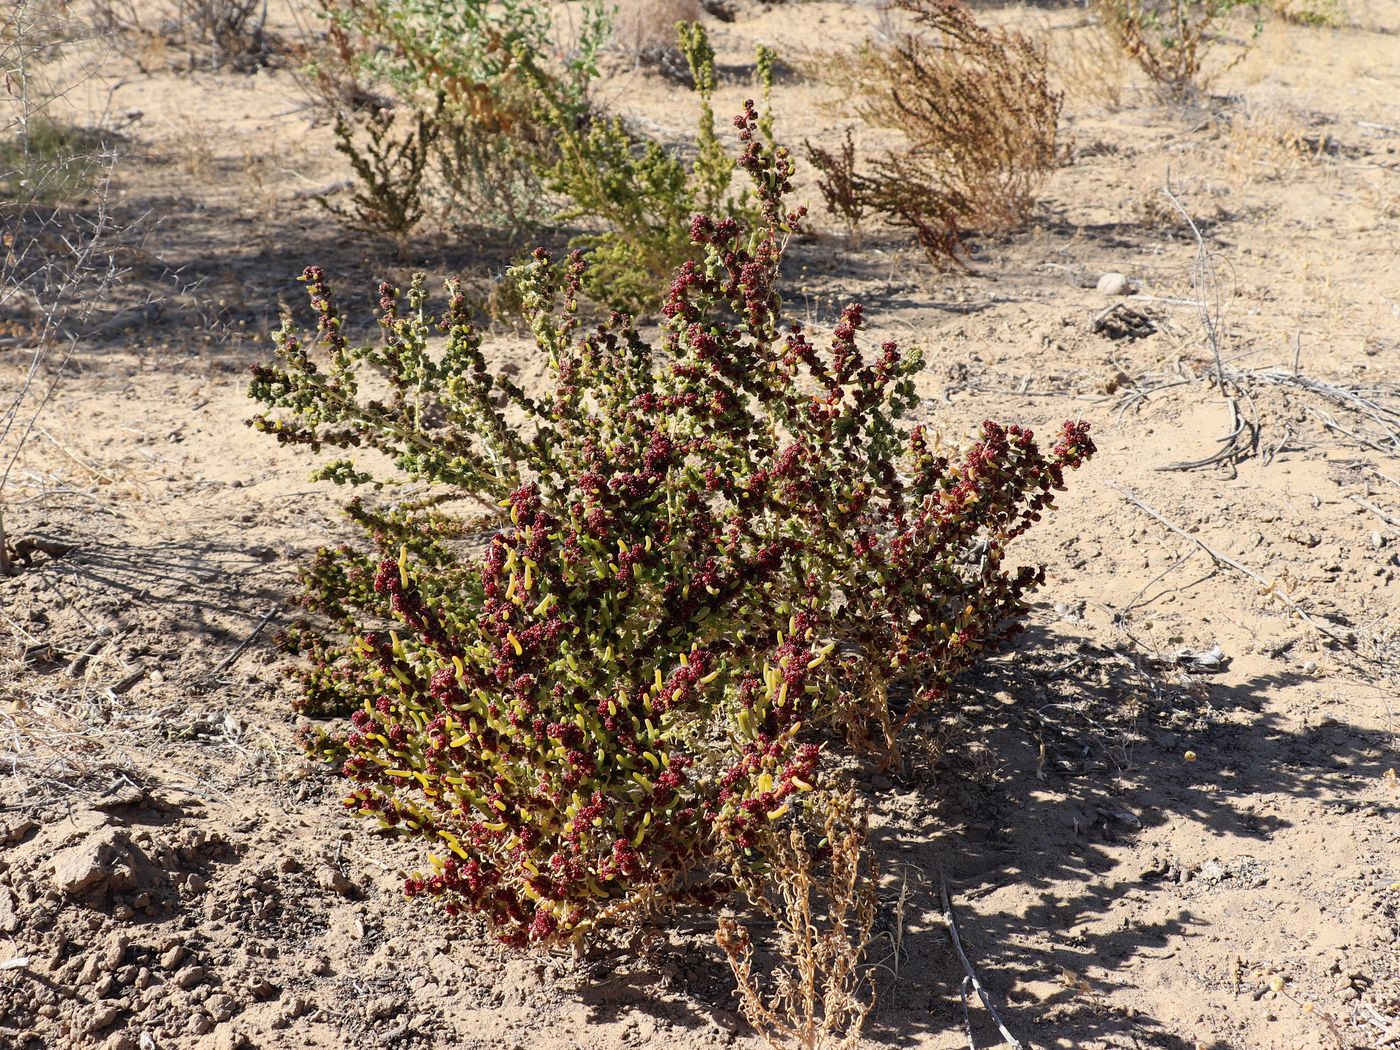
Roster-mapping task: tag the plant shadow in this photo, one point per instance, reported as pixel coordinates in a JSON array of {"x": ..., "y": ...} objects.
[
  {"x": 1090, "y": 745},
  {"x": 1085, "y": 754}
]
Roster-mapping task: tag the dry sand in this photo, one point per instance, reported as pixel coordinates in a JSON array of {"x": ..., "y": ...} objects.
[{"x": 176, "y": 875}]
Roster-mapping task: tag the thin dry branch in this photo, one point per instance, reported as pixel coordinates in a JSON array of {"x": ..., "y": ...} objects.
[
  {"x": 1228, "y": 562},
  {"x": 228, "y": 660},
  {"x": 972, "y": 979},
  {"x": 1387, "y": 518}
]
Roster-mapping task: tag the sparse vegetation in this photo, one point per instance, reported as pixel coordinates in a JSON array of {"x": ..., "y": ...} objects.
[
  {"x": 389, "y": 171},
  {"x": 484, "y": 77},
  {"x": 644, "y": 31},
  {"x": 1169, "y": 39},
  {"x": 187, "y": 34},
  {"x": 670, "y": 645},
  {"x": 57, "y": 235},
  {"x": 821, "y": 896},
  {"x": 641, "y": 194}
]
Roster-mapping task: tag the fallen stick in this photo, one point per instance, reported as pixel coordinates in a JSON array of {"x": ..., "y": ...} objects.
[
  {"x": 1376, "y": 511},
  {"x": 75, "y": 668},
  {"x": 951, "y": 920},
  {"x": 129, "y": 681},
  {"x": 1226, "y": 560},
  {"x": 227, "y": 661}
]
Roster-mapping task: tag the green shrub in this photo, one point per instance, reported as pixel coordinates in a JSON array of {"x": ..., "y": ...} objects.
[
  {"x": 641, "y": 194},
  {"x": 482, "y": 73},
  {"x": 389, "y": 170},
  {"x": 1169, "y": 39},
  {"x": 597, "y": 655}
]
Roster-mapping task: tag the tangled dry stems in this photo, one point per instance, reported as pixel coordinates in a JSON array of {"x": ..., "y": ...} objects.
[
  {"x": 187, "y": 34},
  {"x": 820, "y": 893},
  {"x": 644, "y": 31},
  {"x": 1170, "y": 40},
  {"x": 978, "y": 116}
]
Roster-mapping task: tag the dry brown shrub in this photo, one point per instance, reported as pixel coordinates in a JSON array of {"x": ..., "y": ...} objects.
[
  {"x": 977, "y": 113},
  {"x": 822, "y": 900},
  {"x": 187, "y": 34},
  {"x": 645, "y": 30}
]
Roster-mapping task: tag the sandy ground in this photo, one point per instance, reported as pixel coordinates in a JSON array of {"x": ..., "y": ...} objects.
[{"x": 1136, "y": 845}]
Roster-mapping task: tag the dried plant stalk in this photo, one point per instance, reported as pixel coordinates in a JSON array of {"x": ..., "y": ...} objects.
[{"x": 823, "y": 901}]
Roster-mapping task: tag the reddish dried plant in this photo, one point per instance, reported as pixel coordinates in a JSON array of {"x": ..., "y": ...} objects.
[
  {"x": 978, "y": 116},
  {"x": 597, "y": 650}
]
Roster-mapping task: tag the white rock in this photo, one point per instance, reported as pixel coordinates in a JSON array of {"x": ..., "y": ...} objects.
[{"x": 1115, "y": 284}]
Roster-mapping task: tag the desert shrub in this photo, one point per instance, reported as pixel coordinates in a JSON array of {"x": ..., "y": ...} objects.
[
  {"x": 592, "y": 657},
  {"x": 840, "y": 184},
  {"x": 644, "y": 31},
  {"x": 389, "y": 170},
  {"x": 977, "y": 113},
  {"x": 1168, "y": 39},
  {"x": 513, "y": 136},
  {"x": 188, "y": 34},
  {"x": 640, "y": 194},
  {"x": 483, "y": 73}
]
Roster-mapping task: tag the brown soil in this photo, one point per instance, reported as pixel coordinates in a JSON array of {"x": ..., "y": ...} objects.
[{"x": 1137, "y": 844}]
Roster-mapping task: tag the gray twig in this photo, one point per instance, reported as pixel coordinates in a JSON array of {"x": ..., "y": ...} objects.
[
  {"x": 1395, "y": 522},
  {"x": 952, "y": 922},
  {"x": 1229, "y": 562},
  {"x": 227, "y": 661}
]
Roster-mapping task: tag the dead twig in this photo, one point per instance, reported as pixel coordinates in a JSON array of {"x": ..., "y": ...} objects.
[
  {"x": 1132, "y": 604},
  {"x": 228, "y": 660},
  {"x": 75, "y": 667},
  {"x": 1394, "y": 522},
  {"x": 1229, "y": 562},
  {"x": 972, "y": 979},
  {"x": 1233, "y": 447},
  {"x": 1207, "y": 285}
]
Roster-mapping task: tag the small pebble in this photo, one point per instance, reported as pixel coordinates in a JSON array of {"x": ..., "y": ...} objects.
[{"x": 1115, "y": 284}]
